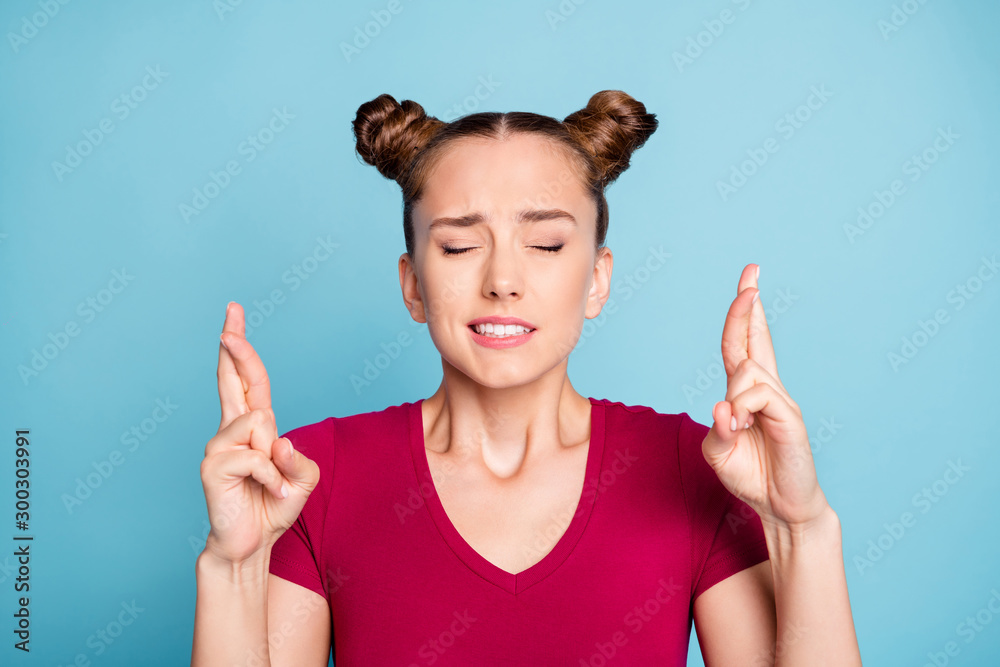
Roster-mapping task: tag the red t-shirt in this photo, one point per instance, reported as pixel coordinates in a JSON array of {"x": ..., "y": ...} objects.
[{"x": 654, "y": 528}]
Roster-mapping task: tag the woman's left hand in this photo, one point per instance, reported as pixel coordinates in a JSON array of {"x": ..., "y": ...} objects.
[{"x": 769, "y": 464}]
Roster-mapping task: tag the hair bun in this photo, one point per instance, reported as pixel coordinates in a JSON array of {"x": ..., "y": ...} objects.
[
  {"x": 611, "y": 127},
  {"x": 389, "y": 134}
]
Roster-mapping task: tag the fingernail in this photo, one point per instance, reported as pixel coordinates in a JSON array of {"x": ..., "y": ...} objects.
[
  {"x": 747, "y": 425},
  {"x": 758, "y": 272},
  {"x": 291, "y": 447},
  {"x": 228, "y": 306},
  {"x": 223, "y": 342},
  {"x": 732, "y": 423},
  {"x": 284, "y": 490},
  {"x": 754, "y": 299}
]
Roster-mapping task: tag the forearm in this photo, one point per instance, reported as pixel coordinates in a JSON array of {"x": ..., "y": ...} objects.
[
  {"x": 230, "y": 619},
  {"x": 815, "y": 625}
]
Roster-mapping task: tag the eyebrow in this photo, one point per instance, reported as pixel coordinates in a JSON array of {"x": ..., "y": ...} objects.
[{"x": 527, "y": 215}]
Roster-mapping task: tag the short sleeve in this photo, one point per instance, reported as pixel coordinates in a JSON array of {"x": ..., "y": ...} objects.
[
  {"x": 726, "y": 534},
  {"x": 297, "y": 554}
]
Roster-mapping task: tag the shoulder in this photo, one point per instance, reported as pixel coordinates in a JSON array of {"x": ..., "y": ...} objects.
[
  {"x": 340, "y": 443},
  {"x": 321, "y": 437},
  {"x": 678, "y": 426},
  {"x": 674, "y": 437}
]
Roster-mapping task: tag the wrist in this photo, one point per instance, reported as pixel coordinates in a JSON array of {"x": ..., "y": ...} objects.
[
  {"x": 252, "y": 569},
  {"x": 823, "y": 528}
]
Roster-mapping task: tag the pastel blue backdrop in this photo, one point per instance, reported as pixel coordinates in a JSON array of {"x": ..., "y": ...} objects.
[{"x": 849, "y": 148}]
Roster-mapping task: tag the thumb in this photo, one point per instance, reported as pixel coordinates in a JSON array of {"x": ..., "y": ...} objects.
[
  {"x": 298, "y": 469},
  {"x": 721, "y": 438}
]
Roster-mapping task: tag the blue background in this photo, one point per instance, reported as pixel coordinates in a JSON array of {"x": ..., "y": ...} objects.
[{"x": 839, "y": 303}]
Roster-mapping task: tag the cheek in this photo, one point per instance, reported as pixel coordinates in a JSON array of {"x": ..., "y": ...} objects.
[
  {"x": 566, "y": 302},
  {"x": 445, "y": 291},
  {"x": 568, "y": 281}
]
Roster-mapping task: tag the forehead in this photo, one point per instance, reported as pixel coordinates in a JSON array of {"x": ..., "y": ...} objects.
[{"x": 523, "y": 169}]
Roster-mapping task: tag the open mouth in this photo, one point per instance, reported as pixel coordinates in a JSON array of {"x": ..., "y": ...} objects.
[{"x": 498, "y": 331}]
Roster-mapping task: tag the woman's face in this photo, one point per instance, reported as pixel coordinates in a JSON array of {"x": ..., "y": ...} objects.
[{"x": 475, "y": 259}]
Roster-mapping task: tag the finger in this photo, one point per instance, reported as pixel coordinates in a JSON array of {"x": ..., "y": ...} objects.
[
  {"x": 748, "y": 278},
  {"x": 720, "y": 439},
  {"x": 232, "y": 399},
  {"x": 232, "y": 395},
  {"x": 735, "y": 330},
  {"x": 759, "y": 345},
  {"x": 253, "y": 430},
  {"x": 732, "y": 417},
  {"x": 298, "y": 469},
  {"x": 236, "y": 323},
  {"x": 748, "y": 373},
  {"x": 764, "y": 400},
  {"x": 253, "y": 375},
  {"x": 235, "y": 466},
  {"x": 788, "y": 450}
]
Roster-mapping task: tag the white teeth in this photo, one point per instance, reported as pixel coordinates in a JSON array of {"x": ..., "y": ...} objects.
[{"x": 500, "y": 330}]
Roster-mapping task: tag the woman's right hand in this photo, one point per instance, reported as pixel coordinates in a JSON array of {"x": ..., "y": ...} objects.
[{"x": 246, "y": 466}]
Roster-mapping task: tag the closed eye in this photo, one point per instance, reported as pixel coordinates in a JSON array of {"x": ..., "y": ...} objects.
[{"x": 459, "y": 251}]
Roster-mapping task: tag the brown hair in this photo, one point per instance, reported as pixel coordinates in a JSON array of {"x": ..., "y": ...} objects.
[{"x": 403, "y": 142}]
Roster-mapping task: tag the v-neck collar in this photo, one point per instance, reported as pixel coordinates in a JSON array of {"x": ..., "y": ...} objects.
[{"x": 512, "y": 583}]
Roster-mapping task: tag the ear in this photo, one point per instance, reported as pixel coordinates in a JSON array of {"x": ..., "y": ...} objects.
[
  {"x": 600, "y": 289},
  {"x": 411, "y": 288}
]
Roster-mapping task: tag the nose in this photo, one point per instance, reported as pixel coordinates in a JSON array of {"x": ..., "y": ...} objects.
[{"x": 503, "y": 278}]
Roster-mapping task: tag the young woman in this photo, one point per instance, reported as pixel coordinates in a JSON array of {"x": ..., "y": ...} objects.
[{"x": 507, "y": 519}]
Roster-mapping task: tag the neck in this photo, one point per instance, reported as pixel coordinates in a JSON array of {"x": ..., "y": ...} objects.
[{"x": 505, "y": 429}]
